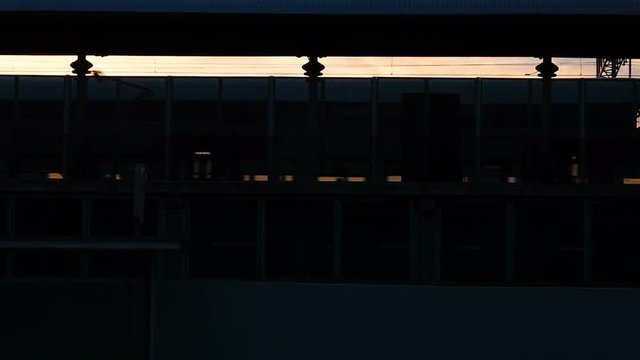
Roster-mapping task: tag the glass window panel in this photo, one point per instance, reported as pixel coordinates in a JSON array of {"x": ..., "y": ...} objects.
[
  {"x": 474, "y": 241},
  {"x": 551, "y": 149},
  {"x": 110, "y": 150},
  {"x": 611, "y": 132},
  {"x": 45, "y": 217},
  {"x": 223, "y": 235},
  {"x": 40, "y": 98},
  {"x": 33, "y": 141},
  {"x": 114, "y": 218},
  {"x": 195, "y": 100},
  {"x": 505, "y": 116},
  {"x": 244, "y": 113},
  {"x": 615, "y": 238},
  {"x": 299, "y": 239},
  {"x": 345, "y": 128},
  {"x": 549, "y": 245},
  {"x": 101, "y": 98},
  {"x": 566, "y": 105},
  {"x": 7, "y": 97},
  {"x": 292, "y": 130},
  {"x": 396, "y": 103},
  {"x": 142, "y": 99},
  {"x": 3, "y": 217},
  {"x": 375, "y": 241}
]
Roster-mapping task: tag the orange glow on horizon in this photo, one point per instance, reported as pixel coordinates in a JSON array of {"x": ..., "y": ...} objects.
[{"x": 292, "y": 66}]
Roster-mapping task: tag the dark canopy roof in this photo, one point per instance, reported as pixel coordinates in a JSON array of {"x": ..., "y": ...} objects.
[{"x": 572, "y": 28}]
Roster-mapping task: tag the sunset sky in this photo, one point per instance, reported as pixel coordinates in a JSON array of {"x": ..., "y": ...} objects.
[{"x": 291, "y": 66}]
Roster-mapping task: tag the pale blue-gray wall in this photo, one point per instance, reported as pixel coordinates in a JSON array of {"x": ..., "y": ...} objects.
[{"x": 243, "y": 320}]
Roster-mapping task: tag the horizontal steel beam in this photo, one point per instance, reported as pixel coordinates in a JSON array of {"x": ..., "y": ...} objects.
[
  {"x": 280, "y": 34},
  {"x": 54, "y": 243},
  {"x": 158, "y": 189}
]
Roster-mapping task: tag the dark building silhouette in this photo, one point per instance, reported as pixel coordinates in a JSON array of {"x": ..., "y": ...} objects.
[{"x": 319, "y": 218}]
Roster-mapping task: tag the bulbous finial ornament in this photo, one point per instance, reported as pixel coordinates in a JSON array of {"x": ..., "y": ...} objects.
[
  {"x": 313, "y": 68},
  {"x": 81, "y": 66},
  {"x": 547, "y": 69}
]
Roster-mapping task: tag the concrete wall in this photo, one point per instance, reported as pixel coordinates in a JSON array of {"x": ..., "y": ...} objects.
[{"x": 239, "y": 320}]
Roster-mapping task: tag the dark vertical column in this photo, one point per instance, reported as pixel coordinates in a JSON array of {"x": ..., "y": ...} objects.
[
  {"x": 436, "y": 274},
  {"x": 86, "y": 216},
  {"x": 151, "y": 306},
  {"x": 168, "y": 126},
  {"x": 66, "y": 93},
  {"x": 81, "y": 151},
  {"x": 373, "y": 167},
  {"x": 337, "y": 239},
  {"x": 414, "y": 249},
  {"x": 12, "y": 154},
  {"x": 478, "y": 128},
  {"x": 11, "y": 233},
  {"x": 313, "y": 69},
  {"x": 529, "y": 106},
  {"x": 8, "y": 265},
  {"x": 271, "y": 102},
  {"x": 427, "y": 133},
  {"x": 11, "y": 216},
  {"x": 261, "y": 241},
  {"x": 582, "y": 129},
  {"x": 547, "y": 71},
  {"x": 219, "y": 101},
  {"x": 511, "y": 240},
  {"x": 81, "y": 68},
  {"x": 588, "y": 241}
]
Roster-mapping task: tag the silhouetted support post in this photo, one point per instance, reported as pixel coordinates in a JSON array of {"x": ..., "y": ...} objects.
[
  {"x": 582, "y": 127},
  {"x": 139, "y": 190},
  {"x": 373, "y": 149},
  {"x": 414, "y": 248},
  {"x": 271, "y": 84},
  {"x": 436, "y": 272},
  {"x": 547, "y": 71},
  {"x": 151, "y": 306},
  {"x": 81, "y": 68},
  {"x": 66, "y": 93},
  {"x": 261, "y": 241},
  {"x": 8, "y": 265},
  {"x": 511, "y": 241},
  {"x": 478, "y": 129},
  {"x": 337, "y": 239},
  {"x": 588, "y": 241},
  {"x": 168, "y": 127},
  {"x": 313, "y": 69}
]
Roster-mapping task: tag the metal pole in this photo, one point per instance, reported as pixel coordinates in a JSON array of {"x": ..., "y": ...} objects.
[
  {"x": 511, "y": 241},
  {"x": 261, "y": 248},
  {"x": 168, "y": 115},
  {"x": 582, "y": 171},
  {"x": 373, "y": 170},
  {"x": 271, "y": 128},
  {"x": 478, "y": 127},
  {"x": 151, "y": 308},
  {"x": 588, "y": 241},
  {"x": 337, "y": 239},
  {"x": 66, "y": 93},
  {"x": 437, "y": 242},
  {"x": 413, "y": 242}
]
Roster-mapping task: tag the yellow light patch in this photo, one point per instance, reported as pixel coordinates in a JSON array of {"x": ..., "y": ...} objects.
[{"x": 55, "y": 176}]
